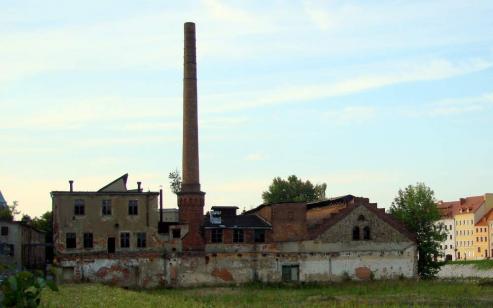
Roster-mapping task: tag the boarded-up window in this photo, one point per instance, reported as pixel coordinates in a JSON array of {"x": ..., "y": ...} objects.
[{"x": 176, "y": 233}]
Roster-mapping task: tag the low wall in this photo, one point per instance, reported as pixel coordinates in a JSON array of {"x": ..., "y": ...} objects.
[
  {"x": 450, "y": 271},
  {"x": 185, "y": 270}
]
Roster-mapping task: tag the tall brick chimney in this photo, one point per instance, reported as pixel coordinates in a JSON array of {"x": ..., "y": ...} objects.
[{"x": 190, "y": 199}]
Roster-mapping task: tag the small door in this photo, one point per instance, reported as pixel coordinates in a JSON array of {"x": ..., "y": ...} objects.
[{"x": 111, "y": 245}]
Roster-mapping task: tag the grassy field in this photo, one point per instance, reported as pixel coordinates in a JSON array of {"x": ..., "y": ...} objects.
[{"x": 347, "y": 294}]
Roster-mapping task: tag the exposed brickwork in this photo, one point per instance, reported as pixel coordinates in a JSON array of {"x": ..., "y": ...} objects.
[
  {"x": 363, "y": 273},
  {"x": 222, "y": 273},
  {"x": 191, "y": 212}
]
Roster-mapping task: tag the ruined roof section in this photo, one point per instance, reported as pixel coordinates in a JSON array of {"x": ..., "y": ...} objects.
[
  {"x": 118, "y": 185},
  {"x": 330, "y": 201},
  {"x": 3, "y": 202},
  {"x": 241, "y": 221}
]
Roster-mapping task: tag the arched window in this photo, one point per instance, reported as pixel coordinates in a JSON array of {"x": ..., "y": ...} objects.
[
  {"x": 366, "y": 233},
  {"x": 361, "y": 218},
  {"x": 356, "y": 234}
]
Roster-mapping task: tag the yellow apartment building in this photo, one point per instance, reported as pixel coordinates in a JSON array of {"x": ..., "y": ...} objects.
[{"x": 472, "y": 240}]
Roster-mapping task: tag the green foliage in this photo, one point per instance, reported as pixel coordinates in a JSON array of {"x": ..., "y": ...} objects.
[
  {"x": 293, "y": 190},
  {"x": 9, "y": 212},
  {"x": 24, "y": 290},
  {"x": 415, "y": 206},
  {"x": 175, "y": 181}
]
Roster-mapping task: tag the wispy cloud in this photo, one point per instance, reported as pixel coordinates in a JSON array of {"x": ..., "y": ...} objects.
[
  {"x": 452, "y": 106},
  {"x": 350, "y": 115},
  {"x": 255, "y": 156},
  {"x": 396, "y": 74}
]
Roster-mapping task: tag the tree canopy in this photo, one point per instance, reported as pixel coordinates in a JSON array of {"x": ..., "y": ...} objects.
[
  {"x": 293, "y": 189},
  {"x": 9, "y": 212},
  {"x": 415, "y": 206},
  {"x": 175, "y": 181}
]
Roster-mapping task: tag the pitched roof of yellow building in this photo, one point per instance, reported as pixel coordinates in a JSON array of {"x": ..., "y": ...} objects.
[{"x": 448, "y": 209}]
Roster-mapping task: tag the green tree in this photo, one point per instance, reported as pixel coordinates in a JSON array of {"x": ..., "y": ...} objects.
[
  {"x": 415, "y": 207},
  {"x": 175, "y": 181},
  {"x": 9, "y": 212},
  {"x": 44, "y": 223},
  {"x": 293, "y": 189}
]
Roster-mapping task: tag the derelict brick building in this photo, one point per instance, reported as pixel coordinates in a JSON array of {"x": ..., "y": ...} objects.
[{"x": 134, "y": 245}]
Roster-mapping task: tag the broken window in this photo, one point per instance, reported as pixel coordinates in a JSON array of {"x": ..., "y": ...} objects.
[
  {"x": 124, "y": 240},
  {"x": 259, "y": 236},
  {"x": 366, "y": 233},
  {"x": 87, "y": 240},
  {"x": 176, "y": 233},
  {"x": 290, "y": 273},
  {"x": 5, "y": 230},
  {"x": 356, "y": 233},
  {"x": 141, "y": 240},
  {"x": 79, "y": 207},
  {"x": 106, "y": 208},
  {"x": 133, "y": 208},
  {"x": 70, "y": 240},
  {"x": 217, "y": 235},
  {"x": 238, "y": 236},
  {"x": 361, "y": 218}
]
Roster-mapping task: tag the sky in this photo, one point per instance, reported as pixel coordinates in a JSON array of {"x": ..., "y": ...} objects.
[{"x": 366, "y": 96}]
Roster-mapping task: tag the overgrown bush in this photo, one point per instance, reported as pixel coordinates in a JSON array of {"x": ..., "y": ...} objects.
[{"x": 24, "y": 290}]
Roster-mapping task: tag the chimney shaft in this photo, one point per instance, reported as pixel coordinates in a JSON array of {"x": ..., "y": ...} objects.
[
  {"x": 71, "y": 183},
  {"x": 138, "y": 186},
  {"x": 190, "y": 159}
]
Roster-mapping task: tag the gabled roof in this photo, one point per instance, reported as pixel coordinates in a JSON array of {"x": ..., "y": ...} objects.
[
  {"x": 388, "y": 218},
  {"x": 240, "y": 221},
  {"x": 3, "y": 202},
  {"x": 118, "y": 185},
  {"x": 330, "y": 201}
]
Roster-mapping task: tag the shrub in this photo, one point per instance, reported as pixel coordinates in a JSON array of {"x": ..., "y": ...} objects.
[{"x": 24, "y": 290}]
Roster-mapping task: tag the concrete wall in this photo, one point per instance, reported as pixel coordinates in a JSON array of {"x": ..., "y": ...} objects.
[{"x": 451, "y": 271}]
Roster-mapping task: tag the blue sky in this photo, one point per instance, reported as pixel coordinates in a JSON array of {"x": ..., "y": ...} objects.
[{"x": 367, "y": 96}]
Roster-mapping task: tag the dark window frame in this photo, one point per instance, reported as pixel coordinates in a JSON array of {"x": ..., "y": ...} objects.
[
  {"x": 5, "y": 230},
  {"x": 133, "y": 207},
  {"x": 216, "y": 235},
  {"x": 259, "y": 236},
  {"x": 106, "y": 209},
  {"x": 70, "y": 240},
  {"x": 356, "y": 233},
  {"x": 79, "y": 207},
  {"x": 238, "y": 236},
  {"x": 141, "y": 240},
  {"x": 176, "y": 233},
  {"x": 88, "y": 240},
  {"x": 366, "y": 233},
  {"x": 125, "y": 240}
]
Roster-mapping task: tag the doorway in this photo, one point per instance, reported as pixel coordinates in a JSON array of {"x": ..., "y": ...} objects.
[{"x": 111, "y": 245}]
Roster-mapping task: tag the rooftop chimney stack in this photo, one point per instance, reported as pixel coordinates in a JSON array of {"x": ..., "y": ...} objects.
[
  {"x": 139, "y": 189},
  {"x": 71, "y": 183},
  {"x": 190, "y": 159}
]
